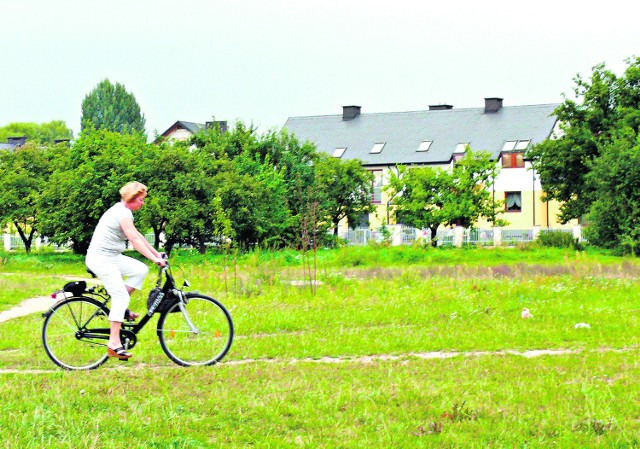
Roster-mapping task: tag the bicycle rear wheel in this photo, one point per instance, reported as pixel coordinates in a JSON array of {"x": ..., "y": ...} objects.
[
  {"x": 211, "y": 340},
  {"x": 75, "y": 333}
]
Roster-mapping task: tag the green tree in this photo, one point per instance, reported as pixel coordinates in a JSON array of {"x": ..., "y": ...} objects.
[
  {"x": 85, "y": 182},
  {"x": 419, "y": 196},
  {"x": 603, "y": 105},
  {"x": 470, "y": 197},
  {"x": 24, "y": 173},
  {"x": 254, "y": 177},
  {"x": 43, "y": 133},
  {"x": 347, "y": 188},
  {"x": 112, "y": 108},
  {"x": 614, "y": 215},
  {"x": 427, "y": 197}
]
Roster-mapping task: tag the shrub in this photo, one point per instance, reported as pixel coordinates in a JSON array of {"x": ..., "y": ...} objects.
[{"x": 558, "y": 239}]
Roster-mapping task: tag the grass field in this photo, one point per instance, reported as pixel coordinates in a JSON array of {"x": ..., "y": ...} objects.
[{"x": 398, "y": 347}]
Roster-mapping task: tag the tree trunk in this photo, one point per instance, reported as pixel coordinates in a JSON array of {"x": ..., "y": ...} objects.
[
  {"x": 434, "y": 236},
  {"x": 26, "y": 240}
]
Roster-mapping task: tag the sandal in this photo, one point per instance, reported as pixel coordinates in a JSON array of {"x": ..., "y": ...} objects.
[
  {"x": 120, "y": 353},
  {"x": 131, "y": 316}
]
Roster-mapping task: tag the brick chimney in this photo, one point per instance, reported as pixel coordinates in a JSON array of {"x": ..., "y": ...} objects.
[
  {"x": 440, "y": 107},
  {"x": 350, "y": 112},
  {"x": 492, "y": 104}
]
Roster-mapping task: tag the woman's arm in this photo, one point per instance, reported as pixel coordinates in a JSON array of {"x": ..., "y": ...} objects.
[{"x": 138, "y": 241}]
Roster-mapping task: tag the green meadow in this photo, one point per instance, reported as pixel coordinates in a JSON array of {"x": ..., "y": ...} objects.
[{"x": 400, "y": 347}]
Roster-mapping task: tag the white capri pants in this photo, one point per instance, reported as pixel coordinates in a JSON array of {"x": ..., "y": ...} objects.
[{"x": 112, "y": 270}]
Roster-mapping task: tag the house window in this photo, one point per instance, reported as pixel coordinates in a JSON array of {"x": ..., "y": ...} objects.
[
  {"x": 513, "y": 160},
  {"x": 513, "y": 201},
  {"x": 424, "y": 145},
  {"x": 513, "y": 153},
  {"x": 377, "y": 148},
  {"x": 363, "y": 221},
  {"x": 376, "y": 195},
  {"x": 338, "y": 152},
  {"x": 461, "y": 149}
]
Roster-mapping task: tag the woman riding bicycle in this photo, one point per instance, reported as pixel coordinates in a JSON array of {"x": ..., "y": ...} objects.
[{"x": 106, "y": 260}]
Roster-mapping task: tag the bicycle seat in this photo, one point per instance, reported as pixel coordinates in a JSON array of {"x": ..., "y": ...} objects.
[{"x": 93, "y": 275}]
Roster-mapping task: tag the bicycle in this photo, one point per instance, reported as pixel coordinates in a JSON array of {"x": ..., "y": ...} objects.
[{"x": 193, "y": 329}]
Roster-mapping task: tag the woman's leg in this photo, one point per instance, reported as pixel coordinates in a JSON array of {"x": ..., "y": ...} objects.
[{"x": 110, "y": 271}]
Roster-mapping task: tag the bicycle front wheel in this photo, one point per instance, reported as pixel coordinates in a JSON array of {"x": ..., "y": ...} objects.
[
  {"x": 202, "y": 336},
  {"x": 75, "y": 333}
]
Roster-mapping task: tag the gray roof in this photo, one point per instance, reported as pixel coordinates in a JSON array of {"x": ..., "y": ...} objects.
[
  {"x": 191, "y": 126},
  {"x": 181, "y": 124},
  {"x": 402, "y": 132}
]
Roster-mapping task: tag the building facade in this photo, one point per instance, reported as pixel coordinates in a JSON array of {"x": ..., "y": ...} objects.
[{"x": 437, "y": 137}]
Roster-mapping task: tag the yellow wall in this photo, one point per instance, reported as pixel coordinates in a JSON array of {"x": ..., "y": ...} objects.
[{"x": 542, "y": 214}]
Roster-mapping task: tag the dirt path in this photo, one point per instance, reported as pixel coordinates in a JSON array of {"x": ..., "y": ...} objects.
[{"x": 404, "y": 358}]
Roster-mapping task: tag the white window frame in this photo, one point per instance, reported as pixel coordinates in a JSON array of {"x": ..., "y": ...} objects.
[
  {"x": 338, "y": 152},
  {"x": 424, "y": 146}
]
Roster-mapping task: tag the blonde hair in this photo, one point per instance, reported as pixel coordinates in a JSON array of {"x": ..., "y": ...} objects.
[{"x": 132, "y": 190}]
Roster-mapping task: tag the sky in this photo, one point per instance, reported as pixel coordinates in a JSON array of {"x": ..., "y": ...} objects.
[{"x": 262, "y": 61}]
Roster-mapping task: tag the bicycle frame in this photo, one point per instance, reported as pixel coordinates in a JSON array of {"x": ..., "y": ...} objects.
[{"x": 130, "y": 330}]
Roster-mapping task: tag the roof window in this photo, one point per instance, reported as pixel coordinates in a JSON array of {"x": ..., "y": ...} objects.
[
  {"x": 515, "y": 145},
  {"x": 377, "y": 148},
  {"x": 462, "y": 147},
  {"x": 425, "y": 145},
  {"x": 338, "y": 152}
]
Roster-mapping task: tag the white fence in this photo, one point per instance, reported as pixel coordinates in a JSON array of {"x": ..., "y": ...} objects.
[
  {"x": 404, "y": 235},
  {"x": 14, "y": 242},
  {"x": 395, "y": 234}
]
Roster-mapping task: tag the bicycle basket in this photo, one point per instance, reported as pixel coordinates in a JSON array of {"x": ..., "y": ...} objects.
[
  {"x": 76, "y": 288},
  {"x": 165, "y": 302}
]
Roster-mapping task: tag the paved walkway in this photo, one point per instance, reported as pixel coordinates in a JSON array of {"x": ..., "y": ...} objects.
[{"x": 27, "y": 307}]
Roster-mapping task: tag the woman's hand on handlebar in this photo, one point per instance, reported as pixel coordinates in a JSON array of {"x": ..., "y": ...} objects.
[{"x": 160, "y": 261}]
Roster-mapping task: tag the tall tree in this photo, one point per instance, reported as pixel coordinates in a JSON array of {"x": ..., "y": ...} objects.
[
  {"x": 614, "y": 215},
  {"x": 603, "y": 105},
  {"x": 590, "y": 167},
  {"x": 112, "y": 108}
]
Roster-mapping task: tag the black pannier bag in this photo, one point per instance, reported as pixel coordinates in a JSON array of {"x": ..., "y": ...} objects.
[
  {"x": 165, "y": 301},
  {"x": 76, "y": 288}
]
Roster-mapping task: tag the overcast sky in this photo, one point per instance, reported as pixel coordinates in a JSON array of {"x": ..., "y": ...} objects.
[{"x": 262, "y": 61}]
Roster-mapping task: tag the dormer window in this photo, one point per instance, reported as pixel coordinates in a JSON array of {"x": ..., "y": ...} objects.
[
  {"x": 513, "y": 153},
  {"x": 461, "y": 149},
  {"x": 377, "y": 148},
  {"x": 515, "y": 145},
  {"x": 338, "y": 152},
  {"x": 425, "y": 145},
  {"x": 514, "y": 159}
]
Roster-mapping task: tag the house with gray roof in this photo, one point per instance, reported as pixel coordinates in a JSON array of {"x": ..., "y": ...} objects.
[
  {"x": 13, "y": 142},
  {"x": 437, "y": 137},
  {"x": 182, "y": 130}
]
